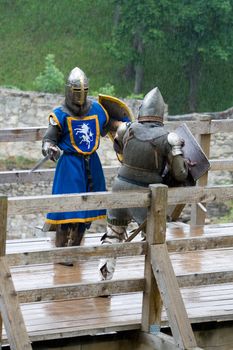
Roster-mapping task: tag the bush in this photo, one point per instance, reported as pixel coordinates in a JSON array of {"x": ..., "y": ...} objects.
[
  {"x": 51, "y": 80},
  {"x": 107, "y": 89}
]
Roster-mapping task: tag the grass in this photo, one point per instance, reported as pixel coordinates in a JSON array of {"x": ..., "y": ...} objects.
[
  {"x": 20, "y": 163},
  {"x": 76, "y": 32}
]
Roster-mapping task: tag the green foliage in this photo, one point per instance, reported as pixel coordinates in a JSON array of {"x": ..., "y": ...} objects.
[
  {"x": 16, "y": 162},
  {"x": 229, "y": 216},
  {"x": 107, "y": 89},
  {"x": 135, "y": 96},
  {"x": 135, "y": 26},
  {"x": 78, "y": 32},
  {"x": 199, "y": 27},
  {"x": 51, "y": 80},
  {"x": 10, "y": 87}
]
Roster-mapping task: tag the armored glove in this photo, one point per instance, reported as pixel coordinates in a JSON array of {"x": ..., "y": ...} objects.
[
  {"x": 176, "y": 142},
  {"x": 51, "y": 150}
]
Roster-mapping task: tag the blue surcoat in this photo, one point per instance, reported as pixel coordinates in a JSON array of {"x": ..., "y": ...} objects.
[{"x": 80, "y": 137}]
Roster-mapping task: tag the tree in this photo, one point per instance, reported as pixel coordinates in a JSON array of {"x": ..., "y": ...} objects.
[
  {"x": 134, "y": 30},
  {"x": 51, "y": 80},
  {"x": 196, "y": 32}
]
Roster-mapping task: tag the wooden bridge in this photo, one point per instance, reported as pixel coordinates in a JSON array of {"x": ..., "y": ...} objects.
[{"x": 164, "y": 288}]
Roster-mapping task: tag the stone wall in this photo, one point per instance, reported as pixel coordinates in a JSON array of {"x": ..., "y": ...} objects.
[{"x": 31, "y": 109}]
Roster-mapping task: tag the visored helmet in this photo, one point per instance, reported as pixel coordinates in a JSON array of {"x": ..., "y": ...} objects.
[
  {"x": 152, "y": 107},
  {"x": 76, "y": 88}
]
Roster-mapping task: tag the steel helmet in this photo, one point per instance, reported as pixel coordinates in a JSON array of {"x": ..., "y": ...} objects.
[
  {"x": 152, "y": 107},
  {"x": 76, "y": 88}
]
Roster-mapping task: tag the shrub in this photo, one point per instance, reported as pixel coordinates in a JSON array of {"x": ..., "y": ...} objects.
[
  {"x": 107, "y": 89},
  {"x": 51, "y": 80}
]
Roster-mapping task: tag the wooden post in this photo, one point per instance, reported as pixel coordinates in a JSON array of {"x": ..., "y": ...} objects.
[
  {"x": 3, "y": 227},
  {"x": 155, "y": 234},
  {"x": 9, "y": 305},
  {"x": 172, "y": 299},
  {"x": 161, "y": 285},
  {"x": 197, "y": 214}
]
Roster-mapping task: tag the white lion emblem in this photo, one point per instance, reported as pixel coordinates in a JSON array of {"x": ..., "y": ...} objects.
[{"x": 86, "y": 134}]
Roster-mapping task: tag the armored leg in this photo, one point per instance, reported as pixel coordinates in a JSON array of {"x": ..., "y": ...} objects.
[
  {"x": 69, "y": 235},
  {"x": 61, "y": 236},
  {"x": 114, "y": 234}
]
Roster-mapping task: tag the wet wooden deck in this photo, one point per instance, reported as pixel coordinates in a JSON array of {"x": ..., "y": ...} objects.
[{"x": 204, "y": 301}]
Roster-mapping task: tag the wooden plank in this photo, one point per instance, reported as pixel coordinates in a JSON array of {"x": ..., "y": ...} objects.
[
  {"x": 190, "y": 269},
  {"x": 159, "y": 341},
  {"x": 199, "y": 243},
  {"x": 170, "y": 293},
  {"x": 200, "y": 194},
  {"x": 24, "y": 134},
  {"x": 24, "y": 176},
  {"x": 130, "y": 199},
  {"x": 200, "y": 310},
  {"x": 72, "y": 318},
  {"x": 11, "y": 312},
  {"x": 155, "y": 232},
  {"x": 41, "y": 313},
  {"x": 220, "y": 126},
  {"x": 221, "y": 164},
  {"x": 75, "y": 254},
  {"x": 3, "y": 224},
  {"x": 40, "y": 175},
  {"x": 3, "y": 228},
  {"x": 82, "y": 201},
  {"x": 33, "y": 252},
  {"x": 71, "y": 291},
  {"x": 196, "y": 126},
  {"x": 174, "y": 212},
  {"x": 197, "y": 279},
  {"x": 197, "y": 214}
]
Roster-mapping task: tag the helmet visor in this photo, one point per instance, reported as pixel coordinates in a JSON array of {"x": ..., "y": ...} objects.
[{"x": 78, "y": 95}]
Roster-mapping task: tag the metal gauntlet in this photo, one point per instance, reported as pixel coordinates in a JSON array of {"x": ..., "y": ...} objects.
[
  {"x": 176, "y": 142},
  {"x": 51, "y": 150}
]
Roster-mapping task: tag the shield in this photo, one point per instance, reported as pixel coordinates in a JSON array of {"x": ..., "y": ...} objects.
[
  {"x": 193, "y": 151},
  {"x": 117, "y": 110}
]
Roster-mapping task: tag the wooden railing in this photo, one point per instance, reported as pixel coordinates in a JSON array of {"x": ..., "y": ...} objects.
[
  {"x": 159, "y": 279},
  {"x": 202, "y": 128},
  {"x": 159, "y": 284}
]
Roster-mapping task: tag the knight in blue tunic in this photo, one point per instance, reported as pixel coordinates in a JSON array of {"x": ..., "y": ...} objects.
[{"x": 75, "y": 129}]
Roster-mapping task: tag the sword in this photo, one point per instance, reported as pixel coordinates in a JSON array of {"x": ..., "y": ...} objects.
[{"x": 39, "y": 164}]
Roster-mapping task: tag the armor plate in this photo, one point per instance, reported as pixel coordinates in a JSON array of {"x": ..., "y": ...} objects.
[{"x": 193, "y": 151}]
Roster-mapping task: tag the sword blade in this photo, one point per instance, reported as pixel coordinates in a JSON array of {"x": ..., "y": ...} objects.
[{"x": 39, "y": 164}]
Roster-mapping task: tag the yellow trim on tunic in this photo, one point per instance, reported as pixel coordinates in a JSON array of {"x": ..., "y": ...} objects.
[
  {"x": 53, "y": 115},
  {"x": 107, "y": 115},
  {"x": 67, "y": 221},
  {"x": 92, "y": 117}
]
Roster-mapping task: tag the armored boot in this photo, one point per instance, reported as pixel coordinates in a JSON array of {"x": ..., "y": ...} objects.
[
  {"x": 61, "y": 236},
  {"x": 69, "y": 235},
  {"x": 114, "y": 234}
]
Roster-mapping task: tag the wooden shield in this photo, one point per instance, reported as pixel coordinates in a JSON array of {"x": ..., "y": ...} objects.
[{"x": 117, "y": 110}]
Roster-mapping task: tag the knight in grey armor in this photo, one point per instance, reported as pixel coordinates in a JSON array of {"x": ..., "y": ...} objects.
[{"x": 147, "y": 150}]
